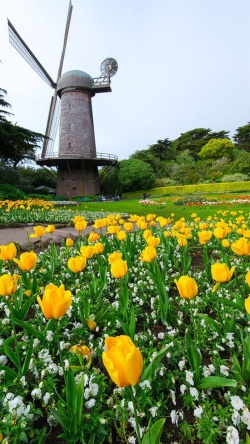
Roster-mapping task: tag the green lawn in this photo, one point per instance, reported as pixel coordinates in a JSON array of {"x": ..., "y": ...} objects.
[{"x": 132, "y": 206}]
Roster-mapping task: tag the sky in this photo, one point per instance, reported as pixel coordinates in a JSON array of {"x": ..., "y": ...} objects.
[{"x": 182, "y": 64}]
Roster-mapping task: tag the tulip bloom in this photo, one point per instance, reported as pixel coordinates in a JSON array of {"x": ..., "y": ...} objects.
[
  {"x": 128, "y": 226},
  {"x": 87, "y": 251},
  {"x": 225, "y": 243},
  {"x": 81, "y": 350},
  {"x": 91, "y": 324},
  {"x": 148, "y": 254},
  {"x": 50, "y": 229},
  {"x": 182, "y": 242},
  {"x": 114, "y": 257},
  {"x": 248, "y": 278},
  {"x": 204, "y": 236},
  {"x": 153, "y": 241},
  {"x": 119, "y": 269},
  {"x": 220, "y": 232},
  {"x": 69, "y": 242},
  {"x": 8, "y": 284},
  {"x": 93, "y": 237},
  {"x": 113, "y": 229},
  {"x": 99, "y": 247},
  {"x": 39, "y": 231},
  {"x": 55, "y": 301},
  {"x": 247, "y": 305},
  {"x": 221, "y": 273},
  {"x": 27, "y": 261},
  {"x": 8, "y": 252},
  {"x": 77, "y": 264},
  {"x": 81, "y": 225},
  {"x": 147, "y": 233},
  {"x": 121, "y": 235},
  {"x": 187, "y": 287},
  {"x": 241, "y": 247},
  {"x": 122, "y": 360}
]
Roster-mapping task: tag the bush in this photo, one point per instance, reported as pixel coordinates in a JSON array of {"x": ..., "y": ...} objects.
[
  {"x": 164, "y": 182},
  {"x": 237, "y": 177},
  {"x": 39, "y": 196},
  {"x": 9, "y": 192}
]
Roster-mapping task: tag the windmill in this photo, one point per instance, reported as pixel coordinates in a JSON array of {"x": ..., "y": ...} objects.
[{"x": 76, "y": 160}]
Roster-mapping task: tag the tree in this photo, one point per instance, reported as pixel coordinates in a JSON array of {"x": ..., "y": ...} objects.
[
  {"x": 241, "y": 164},
  {"x": 216, "y": 148},
  {"x": 195, "y": 139},
  {"x": 134, "y": 174},
  {"x": 4, "y": 105},
  {"x": 17, "y": 144},
  {"x": 242, "y": 137}
]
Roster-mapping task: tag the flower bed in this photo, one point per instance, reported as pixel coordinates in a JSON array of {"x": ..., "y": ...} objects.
[{"x": 146, "y": 327}]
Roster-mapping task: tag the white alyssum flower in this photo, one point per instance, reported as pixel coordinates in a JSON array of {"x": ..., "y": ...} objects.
[
  {"x": 237, "y": 403},
  {"x": 46, "y": 397},
  {"x": 145, "y": 384},
  {"x": 235, "y": 418},
  {"x": 198, "y": 411},
  {"x": 90, "y": 403},
  {"x": 232, "y": 435},
  {"x": 194, "y": 392},
  {"x": 153, "y": 411},
  {"x": 132, "y": 440},
  {"x": 175, "y": 416},
  {"x": 224, "y": 370},
  {"x": 3, "y": 360},
  {"x": 183, "y": 388},
  {"x": 36, "y": 393},
  {"x": 181, "y": 364},
  {"x": 245, "y": 417},
  {"x": 189, "y": 377},
  {"x": 173, "y": 397},
  {"x": 49, "y": 335}
]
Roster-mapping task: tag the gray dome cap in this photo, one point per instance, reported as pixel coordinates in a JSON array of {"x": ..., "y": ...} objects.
[{"x": 75, "y": 78}]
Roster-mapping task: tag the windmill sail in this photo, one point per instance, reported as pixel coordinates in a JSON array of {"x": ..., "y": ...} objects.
[
  {"x": 28, "y": 55},
  {"x": 65, "y": 40},
  {"x": 52, "y": 126}
]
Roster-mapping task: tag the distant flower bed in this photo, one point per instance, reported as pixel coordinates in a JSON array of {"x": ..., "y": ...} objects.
[
  {"x": 212, "y": 201},
  {"x": 152, "y": 203}
]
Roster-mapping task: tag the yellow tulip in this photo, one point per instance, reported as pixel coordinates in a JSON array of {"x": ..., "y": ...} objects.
[
  {"x": 221, "y": 273},
  {"x": 150, "y": 217},
  {"x": 93, "y": 237},
  {"x": 91, "y": 324},
  {"x": 113, "y": 229},
  {"x": 122, "y": 360},
  {"x": 8, "y": 284},
  {"x": 78, "y": 219},
  {"x": 225, "y": 243},
  {"x": 81, "y": 225},
  {"x": 247, "y": 305},
  {"x": 8, "y": 252},
  {"x": 50, "y": 229},
  {"x": 147, "y": 233},
  {"x": 128, "y": 226},
  {"x": 187, "y": 287},
  {"x": 87, "y": 251},
  {"x": 69, "y": 242},
  {"x": 182, "y": 242},
  {"x": 119, "y": 268},
  {"x": 241, "y": 246},
  {"x": 39, "y": 231},
  {"x": 114, "y": 257},
  {"x": 204, "y": 236},
  {"x": 121, "y": 235},
  {"x": 248, "y": 278},
  {"x": 77, "y": 264},
  {"x": 148, "y": 254},
  {"x": 203, "y": 226},
  {"x": 27, "y": 261},
  {"x": 55, "y": 301},
  {"x": 99, "y": 223},
  {"x": 220, "y": 232},
  {"x": 99, "y": 247},
  {"x": 153, "y": 241}
]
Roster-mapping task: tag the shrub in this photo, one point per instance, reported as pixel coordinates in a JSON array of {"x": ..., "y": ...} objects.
[
  {"x": 12, "y": 193},
  {"x": 237, "y": 177}
]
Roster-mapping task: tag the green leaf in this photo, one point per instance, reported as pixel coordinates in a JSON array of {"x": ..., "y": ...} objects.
[
  {"x": 211, "y": 322},
  {"x": 153, "y": 436},
  {"x": 149, "y": 371},
  {"x": 215, "y": 382},
  {"x": 10, "y": 374},
  {"x": 63, "y": 419},
  {"x": 79, "y": 401},
  {"x": 27, "y": 358},
  {"x": 29, "y": 329},
  {"x": 11, "y": 355},
  {"x": 193, "y": 354}
]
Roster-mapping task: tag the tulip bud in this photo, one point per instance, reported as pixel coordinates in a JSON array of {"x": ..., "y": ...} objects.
[
  {"x": 119, "y": 268},
  {"x": 187, "y": 287}
]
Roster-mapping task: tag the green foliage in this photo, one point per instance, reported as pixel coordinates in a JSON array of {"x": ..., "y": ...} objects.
[
  {"x": 134, "y": 174},
  {"x": 10, "y": 192},
  {"x": 3, "y": 105},
  {"x": 237, "y": 177},
  {"x": 195, "y": 139},
  {"x": 241, "y": 164},
  {"x": 216, "y": 148},
  {"x": 242, "y": 137}
]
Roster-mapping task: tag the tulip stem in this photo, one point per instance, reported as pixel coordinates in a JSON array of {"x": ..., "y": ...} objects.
[
  {"x": 135, "y": 413},
  {"x": 14, "y": 333}
]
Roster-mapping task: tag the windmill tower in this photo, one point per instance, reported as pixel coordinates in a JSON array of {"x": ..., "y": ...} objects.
[{"x": 76, "y": 160}]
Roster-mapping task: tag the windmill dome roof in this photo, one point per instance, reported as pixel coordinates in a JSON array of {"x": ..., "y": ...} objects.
[{"x": 75, "y": 78}]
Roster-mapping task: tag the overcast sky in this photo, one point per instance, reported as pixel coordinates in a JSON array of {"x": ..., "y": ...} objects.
[{"x": 182, "y": 64}]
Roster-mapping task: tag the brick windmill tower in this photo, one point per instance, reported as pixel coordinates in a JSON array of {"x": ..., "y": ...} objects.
[{"x": 76, "y": 160}]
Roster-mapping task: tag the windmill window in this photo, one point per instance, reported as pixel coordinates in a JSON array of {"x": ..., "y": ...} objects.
[{"x": 69, "y": 145}]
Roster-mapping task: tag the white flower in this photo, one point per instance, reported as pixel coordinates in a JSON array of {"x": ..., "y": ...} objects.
[
  {"x": 183, "y": 388},
  {"x": 237, "y": 403},
  {"x": 189, "y": 377},
  {"x": 3, "y": 360},
  {"x": 161, "y": 335},
  {"x": 224, "y": 370},
  {"x": 49, "y": 335},
  {"x": 89, "y": 404},
  {"x": 245, "y": 418},
  {"x": 132, "y": 440},
  {"x": 145, "y": 384},
  {"x": 198, "y": 411},
  {"x": 232, "y": 435},
  {"x": 181, "y": 364},
  {"x": 235, "y": 418},
  {"x": 46, "y": 398},
  {"x": 36, "y": 393},
  {"x": 194, "y": 392},
  {"x": 153, "y": 411},
  {"x": 172, "y": 392},
  {"x": 174, "y": 417}
]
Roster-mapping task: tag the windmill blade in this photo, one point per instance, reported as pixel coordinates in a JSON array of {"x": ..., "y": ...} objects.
[
  {"x": 52, "y": 126},
  {"x": 65, "y": 41},
  {"x": 28, "y": 55}
]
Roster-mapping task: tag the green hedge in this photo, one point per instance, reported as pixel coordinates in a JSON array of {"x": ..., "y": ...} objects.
[{"x": 226, "y": 187}]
